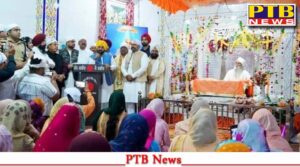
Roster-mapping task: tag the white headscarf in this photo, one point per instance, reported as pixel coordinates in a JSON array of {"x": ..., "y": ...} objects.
[
  {"x": 74, "y": 93},
  {"x": 203, "y": 127},
  {"x": 197, "y": 105}
]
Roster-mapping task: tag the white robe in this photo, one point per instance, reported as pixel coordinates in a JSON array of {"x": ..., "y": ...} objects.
[
  {"x": 84, "y": 57},
  {"x": 8, "y": 88},
  {"x": 107, "y": 90},
  {"x": 131, "y": 89},
  {"x": 235, "y": 75},
  {"x": 152, "y": 86}
]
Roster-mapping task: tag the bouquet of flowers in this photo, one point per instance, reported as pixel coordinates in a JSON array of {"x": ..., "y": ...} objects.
[{"x": 261, "y": 78}]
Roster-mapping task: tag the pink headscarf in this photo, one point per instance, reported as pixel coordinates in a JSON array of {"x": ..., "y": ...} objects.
[
  {"x": 274, "y": 139},
  {"x": 161, "y": 129},
  {"x": 61, "y": 131},
  {"x": 158, "y": 106},
  {"x": 150, "y": 117}
]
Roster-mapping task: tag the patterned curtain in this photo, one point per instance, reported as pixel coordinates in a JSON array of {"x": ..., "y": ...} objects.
[
  {"x": 130, "y": 13},
  {"x": 102, "y": 22},
  {"x": 47, "y": 17}
]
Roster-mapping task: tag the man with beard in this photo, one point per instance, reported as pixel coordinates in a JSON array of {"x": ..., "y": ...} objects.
[
  {"x": 14, "y": 34},
  {"x": 155, "y": 72},
  {"x": 146, "y": 40},
  {"x": 103, "y": 58},
  {"x": 70, "y": 56},
  {"x": 238, "y": 73},
  {"x": 39, "y": 50},
  {"x": 134, "y": 68}
]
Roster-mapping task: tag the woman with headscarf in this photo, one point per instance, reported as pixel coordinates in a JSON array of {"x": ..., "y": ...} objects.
[
  {"x": 161, "y": 128},
  {"x": 74, "y": 96},
  {"x": 110, "y": 120},
  {"x": 37, "y": 107},
  {"x": 61, "y": 131},
  {"x": 232, "y": 146},
  {"x": 89, "y": 142},
  {"x": 4, "y": 103},
  {"x": 151, "y": 144},
  {"x": 182, "y": 127},
  {"x": 201, "y": 136},
  {"x": 251, "y": 133},
  {"x": 273, "y": 134},
  {"x": 6, "y": 143},
  {"x": 16, "y": 116},
  {"x": 53, "y": 112},
  {"x": 132, "y": 136},
  {"x": 62, "y": 101}
]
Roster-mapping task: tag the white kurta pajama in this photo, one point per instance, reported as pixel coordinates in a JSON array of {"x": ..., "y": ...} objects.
[
  {"x": 107, "y": 90},
  {"x": 152, "y": 86},
  {"x": 132, "y": 89},
  {"x": 84, "y": 57},
  {"x": 156, "y": 70}
]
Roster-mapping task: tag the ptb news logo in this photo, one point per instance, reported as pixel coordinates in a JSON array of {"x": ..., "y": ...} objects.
[{"x": 272, "y": 15}]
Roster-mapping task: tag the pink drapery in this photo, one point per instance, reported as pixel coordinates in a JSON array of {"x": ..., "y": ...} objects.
[
  {"x": 102, "y": 21},
  {"x": 103, "y": 17},
  {"x": 130, "y": 13}
]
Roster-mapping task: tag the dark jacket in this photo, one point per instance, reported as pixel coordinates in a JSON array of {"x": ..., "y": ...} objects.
[
  {"x": 60, "y": 66},
  {"x": 66, "y": 57},
  {"x": 9, "y": 71}
]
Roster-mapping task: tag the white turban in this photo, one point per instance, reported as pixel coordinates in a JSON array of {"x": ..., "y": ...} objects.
[
  {"x": 3, "y": 58},
  {"x": 43, "y": 63},
  {"x": 136, "y": 42},
  {"x": 50, "y": 41},
  {"x": 11, "y": 26},
  {"x": 241, "y": 60}
]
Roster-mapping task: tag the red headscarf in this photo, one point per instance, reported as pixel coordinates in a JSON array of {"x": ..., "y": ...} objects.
[
  {"x": 147, "y": 36},
  {"x": 150, "y": 117},
  {"x": 61, "y": 131}
]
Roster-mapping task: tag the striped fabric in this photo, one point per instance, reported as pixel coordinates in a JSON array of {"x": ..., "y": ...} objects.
[{"x": 33, "y": 86}]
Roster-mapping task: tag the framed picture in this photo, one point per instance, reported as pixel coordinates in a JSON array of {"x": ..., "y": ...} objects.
[
  {"x": 116, "y": 11},
  {"x": 123, "y": 35}
]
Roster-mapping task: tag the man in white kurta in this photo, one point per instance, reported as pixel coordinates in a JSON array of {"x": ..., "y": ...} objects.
[
  {"x": 84, "y": 56},
  {"x": 238, "y": 73},
  {"x": 107, "y": 60},
  {"x": 134, "y": 68},
  {"x": 155, "y": 73}
]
